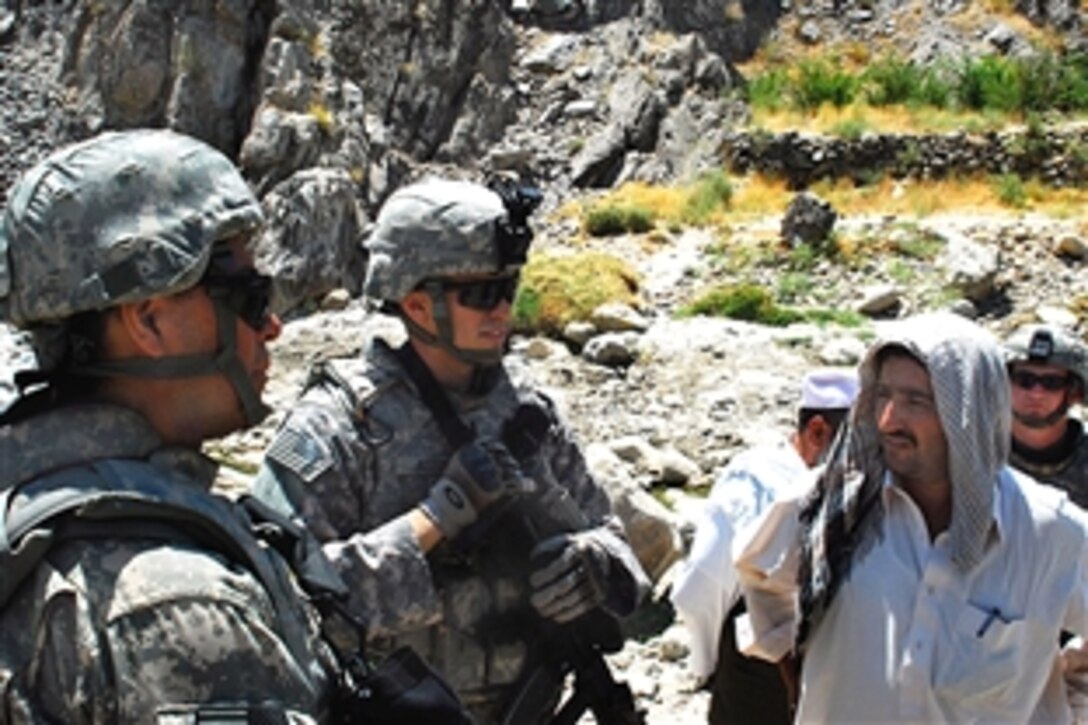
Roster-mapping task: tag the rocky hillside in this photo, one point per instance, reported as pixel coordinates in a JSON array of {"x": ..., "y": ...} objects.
[{"x": 329, "y": 106}]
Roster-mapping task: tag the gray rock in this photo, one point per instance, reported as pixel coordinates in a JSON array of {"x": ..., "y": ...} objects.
[
  {"x": 1073, "y": 246},
  {"x": 636, "y": 450},
  {"x": 879, "y": 299},
  {"x": 969, "y": 266},
  {"x": 808, "y": 220},
  {"x": 612, "y": 349},
  {"x": 311, "y": 244},
  {"x": 618, "y": 317},
  {"x": 551, "y": 55},
  {"x": 810, "y": 32},
  {"x": 601, "y": 159},
  {"x": 579, "y": 332},
  {"x": 677, "y": 469}
]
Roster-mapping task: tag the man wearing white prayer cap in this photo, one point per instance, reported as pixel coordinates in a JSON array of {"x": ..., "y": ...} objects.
[{"x": 707, "y": 594}]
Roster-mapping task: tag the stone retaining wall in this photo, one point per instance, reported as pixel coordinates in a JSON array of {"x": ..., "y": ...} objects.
[{"x": 1057, "y": 157}]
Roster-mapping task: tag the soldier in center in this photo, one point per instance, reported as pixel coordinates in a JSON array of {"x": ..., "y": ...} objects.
[{"x": 431, "y": 459}]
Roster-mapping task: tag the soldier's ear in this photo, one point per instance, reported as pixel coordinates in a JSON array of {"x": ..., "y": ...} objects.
[
  {"x": 139, "y": 323},
  {"x": 418, "y": 307}
]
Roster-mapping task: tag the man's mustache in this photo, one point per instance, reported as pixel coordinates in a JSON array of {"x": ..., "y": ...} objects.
[{"x": 901, "y": 435}]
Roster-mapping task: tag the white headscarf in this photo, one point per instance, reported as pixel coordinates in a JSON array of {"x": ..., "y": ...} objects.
[{"x": 971, "y": 390}]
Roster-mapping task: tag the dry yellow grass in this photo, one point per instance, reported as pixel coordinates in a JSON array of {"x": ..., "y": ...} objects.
[
  {"x": 885, "y": 119},
  {"x": 556, "y": 289},
  {"x": 756, "y": 196}
]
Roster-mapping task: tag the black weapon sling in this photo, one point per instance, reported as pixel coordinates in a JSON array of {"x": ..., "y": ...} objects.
[{"x": 611, "y": 702}]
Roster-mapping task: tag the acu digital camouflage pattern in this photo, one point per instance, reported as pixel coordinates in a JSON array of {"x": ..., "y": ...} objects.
[
  {"x": 1069, "y": 474},
  {"x": 116, "y": 629},
  {"x": 121, "y": 217},
  {"x": 354, "y": 479},
  {"x": 1064, "y": 351},
  {"x": 435, "y": 228}
]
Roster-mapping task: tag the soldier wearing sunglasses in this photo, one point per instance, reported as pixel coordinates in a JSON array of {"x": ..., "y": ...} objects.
[
  {"x": 128, "y": 592},
  {"x": 1047, "y": 369},
  {"x": 403, "y": 458}
]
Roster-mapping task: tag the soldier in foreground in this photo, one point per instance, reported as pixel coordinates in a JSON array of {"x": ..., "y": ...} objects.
[
  {"x": 431, "y": 460},
  {"x": 125, "y": 257}
]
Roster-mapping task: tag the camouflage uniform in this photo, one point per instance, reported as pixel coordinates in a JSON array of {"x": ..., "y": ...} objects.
[
  {"x": 1069, "y": 474},
  {"x": 114, "y": 624},
  {"x": 361, "y": 449},
  {"x": 1065, "y": 467},
  {"x": 114, "y": 630}
]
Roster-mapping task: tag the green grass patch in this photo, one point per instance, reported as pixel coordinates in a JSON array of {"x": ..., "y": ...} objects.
[
  {"x": 851, "y": 129},
  {"x": 917, "y": 244},
  {"x": 794, "y": 286},
  {"x": 711, "y": 193},
  {"x": 1011, "y": 190},
  {"x": 1041, "y": 82},
  {"x": 742, "y": 302},
  {"x": 821, "y": 81},
  {"x": 556, "y": 290},
  {"x": 606, "y": 220}
]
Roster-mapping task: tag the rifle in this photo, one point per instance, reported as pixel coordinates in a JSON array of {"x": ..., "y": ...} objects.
[{"x": 578, "y": 646}]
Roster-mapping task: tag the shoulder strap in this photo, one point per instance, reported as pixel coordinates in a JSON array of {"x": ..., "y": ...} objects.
[
  {"x": 456, "y": 431},
  {"x": 126, "y": 498}
]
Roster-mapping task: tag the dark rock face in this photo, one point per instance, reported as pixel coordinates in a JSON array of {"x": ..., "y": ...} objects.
[
  {"x": 808, "y": 220},
  {"x": 422, "y": 67},
  {"x": 190, "y": 66}
]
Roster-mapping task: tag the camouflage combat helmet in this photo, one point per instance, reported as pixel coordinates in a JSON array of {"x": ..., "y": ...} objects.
[
  {"x": 1048, "y": 345},
  {"x": 119, "y": 218},
  {"x": 440, "y": 228}
]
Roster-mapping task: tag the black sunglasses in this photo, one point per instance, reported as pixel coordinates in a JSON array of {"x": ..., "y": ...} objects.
[
  {"x": 484, "y": 294},
  {"x": 1027, "y": 380},
  {"x": 247, "y": 294}
]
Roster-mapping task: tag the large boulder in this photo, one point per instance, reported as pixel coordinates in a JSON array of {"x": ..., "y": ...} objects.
[
  {"x": 190, "y": 66},
  {"x": 312, "y": 243}
]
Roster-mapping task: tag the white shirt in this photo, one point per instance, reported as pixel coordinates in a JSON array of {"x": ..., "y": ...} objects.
[
  {"x": 910, "y": 638},
  {"x": 707, "y": 587}
]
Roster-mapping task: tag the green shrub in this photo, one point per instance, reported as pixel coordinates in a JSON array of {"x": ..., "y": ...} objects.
[
  {"x": 1011, "y": 190},
  {"x": 607, "y": 220},
  {"x": 891, "y": 80},
  {"x": 769, "y": 90},
  {"x": 935, "y": 91},
  {"x": 822, "y": 82},
  {"x": 990, "y": 82},
  {"x": 1054, "y": 82},
  {"x": 742, "y": 302}
]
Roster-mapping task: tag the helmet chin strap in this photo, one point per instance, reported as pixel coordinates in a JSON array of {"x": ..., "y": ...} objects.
[
  {"x": 1034, "y": 421},
  {"x": 444, "y": 338},
  {"x": 224, "y": 361}
]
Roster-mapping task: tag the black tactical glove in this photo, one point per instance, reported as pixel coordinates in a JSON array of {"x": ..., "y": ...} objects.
[
  {"x": 570, "y": 576},
  {"x": 475, "y": 478}
]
